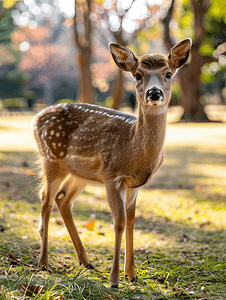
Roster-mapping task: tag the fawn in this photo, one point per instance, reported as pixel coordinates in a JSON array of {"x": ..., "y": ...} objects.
[{"x": 83, "y": 143}]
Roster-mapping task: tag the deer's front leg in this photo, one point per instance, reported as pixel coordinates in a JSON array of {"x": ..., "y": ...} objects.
[
  {"x": 130, "y": 220},
  {"x": 116, "y": 199}
]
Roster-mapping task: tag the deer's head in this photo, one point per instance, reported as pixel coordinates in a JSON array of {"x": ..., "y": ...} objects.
[{"x": 153, "y": 73}]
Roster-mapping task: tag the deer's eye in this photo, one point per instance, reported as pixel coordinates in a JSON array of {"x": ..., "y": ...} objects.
[
  {"x": 168, "y": 75},
  {"x": 138, "y": 77}
]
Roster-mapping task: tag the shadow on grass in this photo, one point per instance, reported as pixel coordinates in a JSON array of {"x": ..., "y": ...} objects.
[
  {"x": 18, "y": 177},
  {"x": 177, "y": 172}
]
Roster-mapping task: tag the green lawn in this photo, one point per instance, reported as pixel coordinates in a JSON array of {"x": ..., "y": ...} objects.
[{"x": 180, "y": 237}]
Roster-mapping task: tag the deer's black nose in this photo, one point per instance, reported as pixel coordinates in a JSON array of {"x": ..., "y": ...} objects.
[{"x": 154, "y": 94}]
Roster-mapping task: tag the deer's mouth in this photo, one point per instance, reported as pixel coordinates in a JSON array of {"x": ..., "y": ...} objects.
[{"x": 155, "y": 103}]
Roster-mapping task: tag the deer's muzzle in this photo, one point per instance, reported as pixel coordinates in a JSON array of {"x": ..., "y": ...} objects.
[{"x": 154, "y": 94}]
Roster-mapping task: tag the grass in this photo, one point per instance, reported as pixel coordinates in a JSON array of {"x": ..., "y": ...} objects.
[{"x": 179, "y": 233}]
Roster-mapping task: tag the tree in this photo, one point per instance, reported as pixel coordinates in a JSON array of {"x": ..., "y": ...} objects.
[
  {"x": 189, "y": 76},
  {"x": 83, "y": 38},
  {"x": 11, "y": 80},
  {"x": 124, "y": 21}
]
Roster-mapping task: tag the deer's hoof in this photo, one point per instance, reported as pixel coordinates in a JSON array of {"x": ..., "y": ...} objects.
[
  {"x": 135, "y": 279},
  {"x": 45, "y": 268},
  {"x": 114, "y": 286},
  {"x": 90, "y": 266}
]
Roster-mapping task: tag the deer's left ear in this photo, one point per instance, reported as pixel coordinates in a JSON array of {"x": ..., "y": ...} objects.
[
  {"x": 123, "y": 57},
  {"x": 179, "y": 54}
]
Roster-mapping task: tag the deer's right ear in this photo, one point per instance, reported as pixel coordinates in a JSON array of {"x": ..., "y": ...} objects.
[
  {"x": 179, "y": 54},
  {"x": 123, "y": 57}
]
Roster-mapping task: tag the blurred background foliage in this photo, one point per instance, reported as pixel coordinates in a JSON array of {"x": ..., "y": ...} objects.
[{"x": 52, "y": 50}]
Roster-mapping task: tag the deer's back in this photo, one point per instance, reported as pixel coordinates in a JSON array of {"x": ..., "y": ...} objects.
[{"x": 83, "y": 134}]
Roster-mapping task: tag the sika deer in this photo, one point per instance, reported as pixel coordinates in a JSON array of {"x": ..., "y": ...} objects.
[{"x": 82, "y": 143}]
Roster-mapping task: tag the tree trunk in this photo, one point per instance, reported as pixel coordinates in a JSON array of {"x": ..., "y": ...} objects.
[
  {"x": 84, "y": 43},
  {"x": 190, "y": 83},
  {"x": 86, "y": 90},
  {"x": 190, "y": 95},
  {"x": 189, "y": 75},
  {"x": 48, "y": 92},
  {"x": 118, "y": 91}
]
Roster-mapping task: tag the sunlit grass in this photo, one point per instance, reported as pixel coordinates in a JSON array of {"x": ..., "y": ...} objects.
[{"x": 179, "y": 231}]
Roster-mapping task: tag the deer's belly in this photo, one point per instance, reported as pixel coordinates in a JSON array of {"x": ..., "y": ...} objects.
[{"x": 87, "y": 168}]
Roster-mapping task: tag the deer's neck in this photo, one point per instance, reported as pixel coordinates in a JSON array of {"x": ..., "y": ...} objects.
[
  {"x": 150, "y": 128},
  {"x": 145, "y": 153}
]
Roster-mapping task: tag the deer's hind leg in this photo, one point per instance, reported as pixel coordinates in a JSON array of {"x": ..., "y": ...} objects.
[
  {"x": 48, "y": 193},
  {"x": 69, "y": 190}
]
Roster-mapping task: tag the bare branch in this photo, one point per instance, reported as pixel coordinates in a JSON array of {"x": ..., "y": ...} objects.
[
  {"x": 87, "y": 23},
  {"x": 166, "y": 21},
  {"x": 208, "y": 59},
  {"x": 199, "y": 9},
  {"x": 75, "y": 27},
  {"x": 129, "y": 6}
]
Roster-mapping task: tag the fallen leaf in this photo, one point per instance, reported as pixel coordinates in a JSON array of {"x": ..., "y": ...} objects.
[
  {"x": 175, "y": 289},
  {"x": 109, "y": 296},
  {"x": 59, "y": 222},
  {"x": 197, "y": 188},
  {"x": 140, "y": 250},
  {"x": 7, "y": 184},
  {"x": 205, "y": 224},
  {"x": 90, "y": 225},
  {"x": 29, "y": 172},
  {"x": 98, "y": 271},
  {"x": 30, "y": 290},
  {"x": 14, "y": 261},
  {"x": 101, "y": 233},
  {"x": 58, "y": 297},
  {"x": 159, "y": 278}
]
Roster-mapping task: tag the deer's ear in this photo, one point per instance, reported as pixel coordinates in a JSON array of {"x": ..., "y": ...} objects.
[
  {"x": 123, "y": 57},
  {"x": 179, "y": 54}
]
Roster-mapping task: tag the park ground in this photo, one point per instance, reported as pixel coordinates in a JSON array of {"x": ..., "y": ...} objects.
[{"x": 180, "y": 236}]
